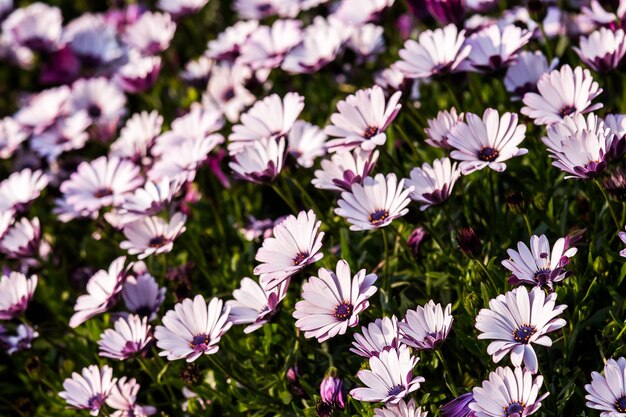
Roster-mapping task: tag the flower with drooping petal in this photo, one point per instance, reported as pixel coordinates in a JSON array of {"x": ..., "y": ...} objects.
[
  {"x": 518, "y": 319},
  {"x": 427, "y": 326},
  {"x": 270, "y": 118},
  {"x": 129, "y": 338},
  {"x": 103, "y": 289},
  {"x": 100, "y": 183},
  {"x": 377, "y": 337},
  {"x": 440, "y": 126},
  {"x": 306, "y": 142},
  {"x": 42, "y": 109},
  {"x": 436, "y": 52},
  {"x": 192, "y": 329},
  {"x": 66, "y": 134},
  {"x": 23, "y": 241},
  {"x": 22, "y": 340},
  {"x": 253, "y": 305},
  {"x": 139, "y": 74},
  {"x": 296, "y": 243},
  {"x": 362, "y": 119},
  {"x": 459, "y": 407},
  {"x": 89, "y": 389},
  {"x": 603, "y": 50},
  {"x": 16, "y": 291},
  {"x": 493, "y": 48},
  {"x": 432, "y": 185},
  {"x": 374, "y": 204},
  {"x": 228, "y": 43},
  {"x": 267, "y": 47},
  {"x": 563, "y": 92},
  {"x": 123, "y": 398},
  {"x": 37, "y": 26},
  {"x": 260, "y": 162},
  {"x": 137, "y": 136},
  {"x": 142, "y": 294},
  {"x": 508, "y": 392},
  {"x": 390, "y": 378},
  {"x": 486, "y": 142},
  {"x": 582, "y": 146},
  {"x": 333, "y": 301},
  {"x": 152, "y": 235},
  {"x": 181, "y": 7},
  {"x": 607, "y": 393},
  {"x": 151, "y": 34},
  {"x": 20, "y": 188},
  {"x": 12, "y": 135},
  {"x": 344, "y": 169},
  {"x": 522, "y": 76},
  {"x": 535, "y": 265},
  {"x": 103, "y": 101},
  {"x": 402, "y": 409}
]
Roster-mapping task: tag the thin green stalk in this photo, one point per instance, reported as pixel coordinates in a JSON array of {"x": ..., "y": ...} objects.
[
  {"x": 290, "y": 203},
  {"x": 530, "y": 229},
  {"x": 494, "y": 213},
  {"x": 387, "y": 281},
  {"x": 484, "y": 268},
  {"x": 393, "y": 160},
  {"x": 446, "y": 372},
  {"x": 608, "y": 203}
]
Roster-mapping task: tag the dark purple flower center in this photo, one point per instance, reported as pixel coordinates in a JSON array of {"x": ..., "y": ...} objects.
[
  {"x": 488, "y": 154},
  {"x": 378, "y": 216},
  {"x": 567, "y": 110},
  {"x": 131, "y": 347},
  {"x": 228, "y": 94},
  {"x": 144, "y": 311},
  {"x": 96, "y": 402},
  {"x": 103, "y": 192},
  {"x": 264, "y": 8},
  {"x": 523, "y": 333},
  {"x": 94, "y": 111},
  {"x": 620, "y": 404},
  {"x": 514, "y": 409},
  {"x": 344, "y": 310},
  {"x": 370, "y": 132},
  {"x": 542, "y": 275},
  {"x": 199, "y": 342},
  {"x": 300, "y": 257},
  {"x": 395, "y": 390},
  {"x": 157, "y": 241}
]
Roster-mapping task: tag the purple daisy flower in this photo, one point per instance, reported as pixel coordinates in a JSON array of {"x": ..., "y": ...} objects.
[
  {"x": 227, "y": 90},
  {"x": 508, "y": 392},
  {"x": 253, "y": 305},
  {"x": 333, "y": 301},
  {"x": 181, "y": 7},
  {"x": 267, "y": 47},
  {"x": 622, "y": 236},
  {"x": 23, "y": 241},
  {"x": 486, "y": 142},
  {"x": 358, "y": 12},
  {"x": 344, "y": 169},
  {"x": 607, "y": 392},
  {"x": 139, "y": 74},
  {"x": 518, "y": 319},
  {"x": 66, "y": 134},
  {"x": 151, "y": 34},
  {"x": 306, "y": 142},
  {"x": 16, "y": 291},
  {"x": 367, "y": 42},
  {"x": 402, "y": 409},
  {"x": 377, "y": 337},
  {"x": 260, "y": 162},
  {"x": 123, "y": 398},
  {"x": 103, "y": 101},
  {"x": 42, "y": 109},
  {"x": 142, "y": 294},
  {"x": 522, "y": 76},
  {"x": 603, "y": 50},
  {"x": 152, "y": 235},
  {"x": 362, "y": 120},
  {"x": 137, "y": 136},
  {"x": 92, "y": 40},
  {"x": 37, "y": 26},
  {"x": 192, "y": 329},
  {"x": 494, "y": 48},
  {"x": 12, "y": 135},
  {"x": 561, "y": 93},
  {"x": 228, "y": 43},
  {"x": 426, "y": 327},
  {"x": 89, "y": 389},
  {"x": 440, "y": 126},
  {"x": 432, "y": 185},
  {"x": 331, "y": 391},
  {"x": 148, "y": 200},
  {"x": 459, "y": 407},
  {"x": 21, "y": 188},
  {"x": 129, "y": 338},
  {"x": 535, "y": 265},
  {"x": 435, "y": 53},
  {"x": 390, "y": 378},
  {"x": 22, "y": 340}
]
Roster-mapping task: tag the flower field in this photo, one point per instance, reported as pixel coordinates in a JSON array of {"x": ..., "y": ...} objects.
[{"x": 383, "y": 208}]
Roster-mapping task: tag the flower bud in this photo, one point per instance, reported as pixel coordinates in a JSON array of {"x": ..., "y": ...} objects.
[{"x": 468, "y": 242}]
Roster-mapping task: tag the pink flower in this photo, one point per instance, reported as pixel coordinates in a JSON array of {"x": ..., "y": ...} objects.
[
  {"x": 16, "y": 291},
  {"x": 603, "y": 50},
  {"x": 494, "y": 48},
  {"x": 151, "y": 33},
  {"x": 123, "y": 398},
  {"x": 344, "y": 169},
  {"x": 432, "y": 185},
  {"x": 129, "y": 338},
  {"x": 228, "y": 43},
  {"x": 426, "y": 326},
  {"x": 152, "y": 235},
  {"x": 20, "y": 189},
  {"x": 89, "y": 389},
  {"x": 37, "y": 26},
  {"x": 253, "y": 305},
  {"x": 260, "y": 162},
  {"x": 267, "y": 46},
  {"x": 142, "y": 295},
  {"x": 379, "y": 336}
]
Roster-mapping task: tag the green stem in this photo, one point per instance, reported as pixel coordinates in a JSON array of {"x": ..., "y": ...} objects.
[
  {"x": 492, "y": 192},
  {"x": 484, "y": 268},
  {"x": 608, "y": 203},
  {"x": 447, "y": 373},
  {"x": 530, "y": 229},
  {"x": 387, "y": 282},
  {"x": 394, "y": 161},
  {"x": 288, "y": 201}
]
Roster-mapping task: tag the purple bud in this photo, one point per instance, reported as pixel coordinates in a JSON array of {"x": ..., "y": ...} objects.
[
  {"x": 415, "y": 240},
  {"x": 468, "y": 241},
  {"x": 459, "y": 407},
  {"x": 331, "y": 391}
]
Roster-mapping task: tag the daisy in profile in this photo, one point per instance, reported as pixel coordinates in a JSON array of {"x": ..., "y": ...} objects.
[
  {"x": 535, "y": 265},
  {"x": 20, "y": 188},
  {"x": 151, "y": 34},
  {"x": 12, "y": 135},
  {"x": 607, "y": 393},
  {"x": 562, "y": 92},
  {"x": 459, "y": 406},
  {"x": 296, "y": 243},
  {"x": 367, "y": 42},
  {"x": 362, "y": 119},
  {"x": 617, "y": 124},
  {"x": 440, "y": 126},
  {"x": 344, "y": 169},
  {"x": 493, "y": 48},
  {"x": 270, "y": 118},
  {"x": 306, "y": 142},
  {"x": 374, "y": 204},
  {"x": 261, "y": 162},
  {"x": 332, "y": 301},
  {"x": 148, "y": 200},
  {"x": 130, "y": 336},
  {"x": 139, "y": 74},
  {"x": 181, "y": 7},
  {"x": 100, "y": 183},
  {"x": 103, "y": 289},
  {"x": 254, "y": 306},
  {"x": 22, "y": 340},
  {"x": 24, "y": 241},
  {"x": 137, "y": 136},
  {"x": 508, "y": 392},
  {"x": 37, "y": 26},
  {"x": 16, "y": 291},
  {"x": 390, "y": 379},
  {"x": 518, "y": 319},
  {"x": 267, "y": 47},
  {"x": 152, "y": 235},
  {"x": 123, "y": 398},
  {"x": 377, "y": 337},
  {"x": 227, "y": 45},
  {"x": 89, "y": 389},
  {"x": 42, "y": 109},
  {"x": 486, "y": 142},
  {"x": 582, "y": 146},
  {"x": 622, "y": 236},
  {"x": 427, "y": 326},
  {"x": 192, "y": 329},
  {"x": 436, "y": 52},
  {"x": 432, "y": 185},
  {"x": 401, "y": 409},
  {"x": 522, "y": 76},
  {"x": 603, "y": 50},
  {"x": 197, "y": 72},
  {"x": 141, "y": 294}
]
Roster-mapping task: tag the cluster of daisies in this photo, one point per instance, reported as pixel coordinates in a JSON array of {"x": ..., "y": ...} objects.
[{"x": 142, "y": 185}]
